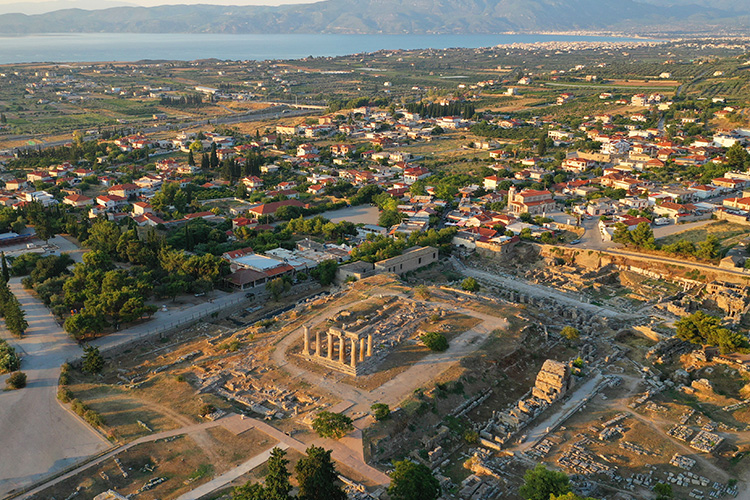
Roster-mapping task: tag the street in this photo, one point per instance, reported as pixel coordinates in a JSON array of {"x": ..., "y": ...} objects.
[{"x": 39, "y": 434}]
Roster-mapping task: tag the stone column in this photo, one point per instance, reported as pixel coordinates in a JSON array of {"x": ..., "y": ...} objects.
[
  {"x": 369, "y": 345},
  {"x": 330, "y": 346},
  {"x": 317, "y": 343},
  {"x": 342, "y": 350},
  {"x": 354, "y": 352},
  {"x": 306, "y": 337},
  {"x": 362, "y": 343}
]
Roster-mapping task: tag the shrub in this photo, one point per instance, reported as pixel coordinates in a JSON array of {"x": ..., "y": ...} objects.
[
  {"x": 435, "y": 341},
  {"x": 332, "y": 425},
  {"x": 93, "y": 418},
  {"x": 381, "y": 411},
  {"x": 470, "y": 285},
  {"x": 64, "y": 395},
  {"x": 206, "y": 409},
  {"x": 9, "y": 361},
  {"x": 17, "y": 380},
  {"x": 471, "y": 437}
]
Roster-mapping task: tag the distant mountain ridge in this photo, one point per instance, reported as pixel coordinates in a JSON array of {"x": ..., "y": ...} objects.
[{"x": 385, "y": 17}]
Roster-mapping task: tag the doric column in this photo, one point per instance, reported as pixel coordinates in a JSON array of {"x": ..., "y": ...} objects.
[
  {"x": 330, "y": 346},
  {"x": 369, "y": 345},
  {"x": 306, "y": 340},
  {"x": 317, "y": 343},
  {"x": 362, "y": 343},
  {"x": 342, "y": 350},
  {"x": 354, "y": 352}
]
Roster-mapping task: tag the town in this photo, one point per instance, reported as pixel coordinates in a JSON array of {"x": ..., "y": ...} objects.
[{"x": 495, "y": 264}]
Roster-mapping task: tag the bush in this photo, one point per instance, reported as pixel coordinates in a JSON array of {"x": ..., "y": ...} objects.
[
  {"x": 93, "y": 418},
  {"x": 9, "y": 361},
  {"x": 471, "y": 437},
  {"x": 332, "y": 425},
  {"x": 570, "y": 333},
  {"x": 470, "y": 285},
  {"x": 381, "y": 411},
  {"x": 17, "y": 380},
  {"x": 78, "y": 407},
  {"x": 206, "y": 409},
  {"x": 435, "y": 341},
  {"x": 64, "y": 395}
]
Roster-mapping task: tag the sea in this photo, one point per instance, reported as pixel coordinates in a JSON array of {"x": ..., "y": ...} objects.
[{"x": 96, "y": 47}]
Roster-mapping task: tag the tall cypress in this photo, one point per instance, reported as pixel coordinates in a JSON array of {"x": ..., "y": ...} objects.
[{"x": 6, "y": 273}]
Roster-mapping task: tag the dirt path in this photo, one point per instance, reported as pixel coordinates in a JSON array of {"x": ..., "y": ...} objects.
[{"x": 396, "y": 390}]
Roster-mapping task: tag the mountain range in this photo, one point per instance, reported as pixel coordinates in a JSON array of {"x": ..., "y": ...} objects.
[{"x": 396, "y": 17}]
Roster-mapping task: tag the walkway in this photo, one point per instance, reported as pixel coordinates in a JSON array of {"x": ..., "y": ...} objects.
[
  {"x": 39, "y": 434},
  {"x": 235, "y": 424},
  {"x": 42, "y": 435},
  {"x": 397, "y": 389}
]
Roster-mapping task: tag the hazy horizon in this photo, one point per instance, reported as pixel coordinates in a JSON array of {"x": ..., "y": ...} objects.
[{"x": 43, "y": 6}]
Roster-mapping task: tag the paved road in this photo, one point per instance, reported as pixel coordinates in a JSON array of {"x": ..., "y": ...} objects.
[
  {"x": 37, "y": 435},
  {"x": 42, "y": 435},
  {"x": 517, "y": 284}
]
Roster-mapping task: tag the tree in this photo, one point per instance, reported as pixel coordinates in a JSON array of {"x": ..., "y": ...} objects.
[
  {"x": 277, "y": 479},
  {"x": 84, "y": 324},
  {"x": 326, "y": 271},
  {"x": 92, "y": 360},
  {"x": 16, "y": 380},
  {"x": 9, "y": 361},
  {"x": 332, "y": 425},
  {"x": 249, "y": 491},
  {"x": 15, "y": 317},
  {"x": 277, "y": 286},
  {"x": 470, "y": 285},
  {"x": 381, "y": 411},
  {"x": 663, "y": 491},
  {"x": 435, "y": 341},
  {"x": 569, "y": 496},
  {"x": 317, "y": 476},
  {"x": 737, "y": 157},
  {"x": 570, "y": 333},
  {"x": 700, "y": 328},
  {"x": 389, "y": 218},
  {"x": 540, "y": 482},
  {"x": 411, "y": 481},
  {"x": 191, "y": 158},
  {"x": 5, "y": 272},
  {"x": 709, "y": 248}
]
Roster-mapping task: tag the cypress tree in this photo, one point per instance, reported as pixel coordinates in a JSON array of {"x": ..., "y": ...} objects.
[{"x": 6, "y": 273}]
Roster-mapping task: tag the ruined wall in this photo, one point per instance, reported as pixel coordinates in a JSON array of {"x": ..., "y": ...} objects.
[{"x": 595, "y": 259}]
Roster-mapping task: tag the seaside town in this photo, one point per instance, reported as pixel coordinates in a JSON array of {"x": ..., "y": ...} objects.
[{"x": 508, "y": 267}]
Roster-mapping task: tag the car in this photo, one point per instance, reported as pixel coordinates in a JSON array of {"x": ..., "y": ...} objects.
[
  {"x": 200, "y": 294},
  {"x": 575, "y": 242},
  {"x": 249, "y": 295}
]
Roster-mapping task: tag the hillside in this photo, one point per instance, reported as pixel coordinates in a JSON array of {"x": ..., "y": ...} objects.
[{"x": 378, "y": 16}]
